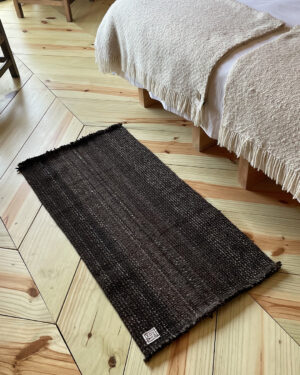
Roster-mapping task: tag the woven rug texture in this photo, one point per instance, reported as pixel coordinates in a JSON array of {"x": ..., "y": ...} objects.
[{"x": 163, "y": 255}]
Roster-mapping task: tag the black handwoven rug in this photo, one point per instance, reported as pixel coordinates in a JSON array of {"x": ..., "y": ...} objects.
[{"x": 162, "y": 254}]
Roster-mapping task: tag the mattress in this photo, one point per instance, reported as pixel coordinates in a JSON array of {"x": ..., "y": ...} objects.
[{"x": 286, "y": 10}]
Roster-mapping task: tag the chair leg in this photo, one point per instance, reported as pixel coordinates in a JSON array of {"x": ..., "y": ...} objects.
[
  {"x": 19, "y": 9},
  {"x": 201, "y": 141},
  {"x": 8, "y": 54},
  {"x": 67, "y": 10}
]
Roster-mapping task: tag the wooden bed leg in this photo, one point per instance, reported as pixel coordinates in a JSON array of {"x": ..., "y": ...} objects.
[
  {"x": 201, "y": 141},
  {"x": 249, "y": 176},
  {"x": 145, "y": 99}
]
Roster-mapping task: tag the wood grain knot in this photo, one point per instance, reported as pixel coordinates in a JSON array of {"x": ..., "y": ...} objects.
[
  {"x": 33, "y": 347},
  {"x": 33, "y": 292},
  {"x": 112, "y": 361},
  {"x": 277, "y": 252}
]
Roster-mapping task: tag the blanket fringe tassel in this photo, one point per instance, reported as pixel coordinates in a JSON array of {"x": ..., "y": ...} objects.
[
  {"x": 257, "y": 157},
  {"x": 183, "y": 104},
  {"x": 262, "y": 160}
]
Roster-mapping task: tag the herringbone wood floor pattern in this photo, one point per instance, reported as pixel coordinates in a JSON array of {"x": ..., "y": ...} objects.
[{"x": 54, "y": 319}]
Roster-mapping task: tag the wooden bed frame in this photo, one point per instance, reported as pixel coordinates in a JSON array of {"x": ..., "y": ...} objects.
[{"x": 247, "y": 175}]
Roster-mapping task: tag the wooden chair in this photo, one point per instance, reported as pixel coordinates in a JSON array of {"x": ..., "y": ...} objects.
[
  {"x": 60, "y": 3},
  {"x": 7, "y": 61}
]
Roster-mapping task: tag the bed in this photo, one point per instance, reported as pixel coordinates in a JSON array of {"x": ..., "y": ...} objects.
[{"x": 287, "y": 11}]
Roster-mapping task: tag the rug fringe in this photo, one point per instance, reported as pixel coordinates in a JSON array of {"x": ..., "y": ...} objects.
[
  {"x": 28, "y": 162},
  {"x": 261, "y": 159}
]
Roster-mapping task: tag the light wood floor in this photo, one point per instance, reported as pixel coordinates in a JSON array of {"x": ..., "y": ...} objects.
[{"x": 54, "y": 319}]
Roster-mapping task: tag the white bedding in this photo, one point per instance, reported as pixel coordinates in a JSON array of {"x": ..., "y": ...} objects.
[
  {"x": 261, "y": 112},
  {"x": 285, "y": 10}
]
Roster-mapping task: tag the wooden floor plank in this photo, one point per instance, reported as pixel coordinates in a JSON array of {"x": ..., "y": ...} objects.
[
  {"x": 208, "y": 175},
  {"x": 18, "y": 204},
  {"x": 164, "y": 130},
  {"x": 28, "y": 7},
  {"x": 11, "y": 86},
  {"x": 114, "y": 110},
  {"x": 191, "y": 354},
  {"x": 5, "y": 239},
  {"x": 60, "y": 54},
  {"x": 279, "y": 249},
  {"x": 272, "y": 196},
  {"x": 280, "y": 297},
  {"x": 259, "y": 209},
  {"x": 51, "y": 33},
  {"x": 92, "y": 329},
  {"x": 292, "y": 328},
  {"x": 47, "y": 17},
  {"x": 250, "y": 342},
  {"x": 57, "y": 47},
  {"x": 33, "y": 15},
  {"x": 28, "y": 347},
  {"x": 19, "y": 295},
  {"x": 202, "y": 161},
  {"x": 20, "y": 118},
  {"x": 60, "y": 70},
  {"x": 51, "y": 260},
  {"x": 89, "y": 91},
  {"x": 88, "y": 16},
  {"x": 169, "y": 133},
  {"x": 290, "y": 262},
  {"x": 263, "y": 225}
]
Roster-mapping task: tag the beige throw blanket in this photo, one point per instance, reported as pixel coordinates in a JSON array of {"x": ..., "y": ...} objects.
[
  {"x": 171, "y": 46},
  {"x": 261, "y": 118}
]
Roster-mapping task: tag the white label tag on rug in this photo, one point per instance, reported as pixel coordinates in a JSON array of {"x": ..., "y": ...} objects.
[{"x": 151, "y": 335}]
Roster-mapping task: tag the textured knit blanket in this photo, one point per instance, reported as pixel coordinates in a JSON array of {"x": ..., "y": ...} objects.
[
  {"x": 170, "y": 47},
  {"x": 261, "y": 119}
]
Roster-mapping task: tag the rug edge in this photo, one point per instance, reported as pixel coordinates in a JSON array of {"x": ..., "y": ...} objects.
[
  {"x": 28, "y": 162},
  {"x": 275, "y": 267}
]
